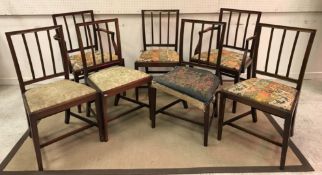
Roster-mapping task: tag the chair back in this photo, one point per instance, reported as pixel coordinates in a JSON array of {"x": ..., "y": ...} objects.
[
  {"x": 69, "y": 21},
  {"x": 201, "y": 36},
  {"x": 282, "y": 52},
  {"x": 241, "y": 25},
  {"x": 156, "y": 28},
  {"x": 109, "y": 44},
  {"x": 38, "y": 54}
]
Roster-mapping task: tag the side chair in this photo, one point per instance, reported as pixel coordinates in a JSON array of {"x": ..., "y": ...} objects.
[
  {"x": 188, "y": 82},
  {"x": 109, "y": 76},
  {"x": 41, "y": 99},
  {"x": 277, "y": 90},
  {"x": 160, "y": 41}
]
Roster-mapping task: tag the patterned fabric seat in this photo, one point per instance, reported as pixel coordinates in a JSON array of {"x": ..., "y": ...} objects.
[
  {"x": 266, "y": 92},
  {"x": 77, "y": 63},
  {"x": 229, "y": 59},
  {"x": 51, "y": 94},
  {"x": 196, "y": 83},
  {"x": 116, "y": 76},
  {"x": 159, "y": 55}
]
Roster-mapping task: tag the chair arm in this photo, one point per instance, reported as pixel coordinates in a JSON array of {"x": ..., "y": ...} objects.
[
  {"x": 253, "y": 38},
  {"x": 112, "y": 37}
]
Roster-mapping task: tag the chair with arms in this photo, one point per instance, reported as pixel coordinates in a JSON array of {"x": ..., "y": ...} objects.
[
  {"x": 188, "y": 83},
  {"x": 43, "y": 64},
  {"x": 238, "y": 45},
  {"x": 160, "y": 41},
  {"x": 272, "y": 96},
  {"x": 108, "y": 76}
]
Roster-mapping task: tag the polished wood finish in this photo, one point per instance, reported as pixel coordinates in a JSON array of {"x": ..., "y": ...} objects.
[
  {"x": 34, "y": 117},
  {"x": 163, "y": 17},
  {"x": 247, "y": 44},
  {"x": 288, "y": 116},
  {"x": 205, "y": 27},
  {"x": 68, "y": 21},
  {"x": 113, "y": 43}
]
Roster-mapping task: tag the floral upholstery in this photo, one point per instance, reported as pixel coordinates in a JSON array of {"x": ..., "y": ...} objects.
[
  {"x": 48, "y": 95},
  {"x": 116, "y": 76},
  {"x": 197, "y": 83},
  {"x": 159, "y": 55},
  {"x": 192, "y": 101},
  {"x": 265, "y": 92},
  {"x": 229, "y": 59},
  {"x": 77, "y": 63}
]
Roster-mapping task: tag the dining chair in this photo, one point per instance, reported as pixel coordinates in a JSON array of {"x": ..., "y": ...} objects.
[
  {"x": 68, "y": 21},
  {"x": 238, "y": 46},
  {"x": 160, "y": 41},
  {"x": 39, "y": 56},
  {"x": 193, "y": 82},
  {"x": 280, "y": 60},
  {"x": 108, "y": 76}
]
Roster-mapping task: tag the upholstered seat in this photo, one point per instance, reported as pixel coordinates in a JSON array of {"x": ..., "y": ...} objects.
[
  {"x": 229, "y": 59},
  {"x": 77, "y": 63},
  {"x": 116, "y": 76},
  {"x": 266, "y": 92},
  {"x": 48, "y": 95},
  {"x": 159, "y": 55},
  {"x": 196, "y": 83}
]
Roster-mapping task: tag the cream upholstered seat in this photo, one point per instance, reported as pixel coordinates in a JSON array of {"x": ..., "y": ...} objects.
[
  {"x": 265, "y": 92},
  {"x": 51, "y": 94},
  {"x": 77, "y": 63},
  {"x": 116, "y": 76},
  {"x": 159, "y": 55},
  {"x": 229, "y": 59}
]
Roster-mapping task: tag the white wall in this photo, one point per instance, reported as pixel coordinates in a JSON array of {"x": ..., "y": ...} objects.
[{"x": 131, "y": 36}]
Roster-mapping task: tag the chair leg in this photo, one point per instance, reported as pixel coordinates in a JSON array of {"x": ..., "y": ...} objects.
[
  {"x": 254, "y": 115},
  {"x": 76, "y": 79},
  {"x": 117, "y": 99},
  {"x": 222, "y": 103},
  {"x": 29, "y": 126},
  {"x": 249, "y": 72},
  {"x": 104, "y": 116},
  {"x": 99, "y": 118},
  {"x": 35, "y": 139},
  {"x": 215, "y": 107},
  {"x": 206, "y": 126},
  {"x": 152, "y": 103},
  {"x": 124, "y": 93},
  {"x": 236, "y": 80},
  {"x": 185, "y": 104},
  {"x": 136, "y": 88},
  {"x": 67, "y": 116},
  {"x": 88, "y": 109},
  {"x": 293, "y": 121},
  {"x": 286, "y": 137}
]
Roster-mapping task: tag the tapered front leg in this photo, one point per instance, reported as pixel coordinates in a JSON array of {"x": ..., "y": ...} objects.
[
  {"x": 105, "y": 116},
  {"x": 254, "y": 115},
  {"x": 206, "y": 125},
  {"x": 35, "y": 139},
  {"x": 222, "y": 103},
  {"x": 100, "y": 118},
  {"x": 286, "y": 137},
  {"x": 152, "y": 103}
]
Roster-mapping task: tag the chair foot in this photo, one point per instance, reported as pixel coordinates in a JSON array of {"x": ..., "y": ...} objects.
[{"x": 206, "y": 126}]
